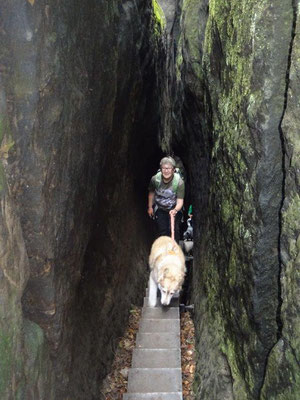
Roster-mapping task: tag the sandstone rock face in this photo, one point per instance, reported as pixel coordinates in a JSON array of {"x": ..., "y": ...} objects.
[
  {"x": 90, "y": 93},
  {"x": 79, "y": 119},
  {"x": 283, "y": 364},
  {"x": 237, "y": 71}
]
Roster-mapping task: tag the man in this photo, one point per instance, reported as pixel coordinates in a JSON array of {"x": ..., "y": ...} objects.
[{"x": 166, "y": 194}]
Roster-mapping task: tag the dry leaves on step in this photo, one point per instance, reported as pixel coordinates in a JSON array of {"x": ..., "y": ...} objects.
[
  {"x": 115, "y": 383},
  {"x": 188, "y": 362}
]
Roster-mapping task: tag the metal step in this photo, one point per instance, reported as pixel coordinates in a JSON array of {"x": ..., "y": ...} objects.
[
  {"x": 156, "y": 358},
  {"x": 161, "y": 340},
  {"x": 152, "y": 396},
  {"x": 156, "y": 362},
  {"x": 160, "y": 313},
  {"x": 159, "y": 325},
  {"x": 149, "y": 380}
]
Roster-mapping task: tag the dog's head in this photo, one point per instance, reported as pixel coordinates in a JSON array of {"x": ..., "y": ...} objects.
[
  {"x": 166, "y": 294},
  {"x": 169, "y": 284}
]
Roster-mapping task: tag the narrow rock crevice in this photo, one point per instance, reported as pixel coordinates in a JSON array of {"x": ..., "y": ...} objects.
[
  {"x": 92, "y": 95},
  {"x": 284, "y": 160}
]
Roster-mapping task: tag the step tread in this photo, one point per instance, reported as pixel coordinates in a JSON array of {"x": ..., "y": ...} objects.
[
  {"x": 161, "y": 340},
  {"x": 149, "y": 380},
  {"x": 152, "y": 396},
  {"x": 156, "y": 358},
  {"x": 148, "y": 325},
  {"x": 160, "y": 313}
]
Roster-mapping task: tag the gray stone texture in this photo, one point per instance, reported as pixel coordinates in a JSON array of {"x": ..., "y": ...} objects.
[{"x": 78, "y": 86}]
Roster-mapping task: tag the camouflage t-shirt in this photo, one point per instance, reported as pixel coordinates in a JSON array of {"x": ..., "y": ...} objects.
[{"x": 164, "y": 196}]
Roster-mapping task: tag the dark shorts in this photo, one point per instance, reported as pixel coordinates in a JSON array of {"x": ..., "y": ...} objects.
[{"x": 163, "y": 222}]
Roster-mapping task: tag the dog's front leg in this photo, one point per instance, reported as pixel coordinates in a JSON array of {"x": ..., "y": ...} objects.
[{"x": 152, "y": 291}]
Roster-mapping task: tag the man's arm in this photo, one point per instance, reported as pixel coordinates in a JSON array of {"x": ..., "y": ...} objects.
[
  {"x": 150, "y": 203},
  {"x": 178, "y": 207}
]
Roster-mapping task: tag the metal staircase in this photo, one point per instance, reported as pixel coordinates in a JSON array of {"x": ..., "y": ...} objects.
[{"x": 156, "y": 361}]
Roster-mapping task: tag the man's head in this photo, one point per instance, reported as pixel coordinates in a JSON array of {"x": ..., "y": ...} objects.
[{"x": 167, "y": 166}]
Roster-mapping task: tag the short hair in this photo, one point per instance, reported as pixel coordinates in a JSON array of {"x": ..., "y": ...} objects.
[{"x": 168, "y": 160}]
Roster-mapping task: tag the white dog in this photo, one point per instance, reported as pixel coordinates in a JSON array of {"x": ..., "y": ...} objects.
[{"x": 167, "y": 269}]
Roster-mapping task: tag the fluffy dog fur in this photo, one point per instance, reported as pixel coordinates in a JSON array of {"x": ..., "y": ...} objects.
[{"x": 167, "y": 270}]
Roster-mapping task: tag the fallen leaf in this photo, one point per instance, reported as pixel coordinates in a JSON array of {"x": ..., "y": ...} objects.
[
  {"x": 124, "y": 372},
  {"x": 192, "y": 369}
]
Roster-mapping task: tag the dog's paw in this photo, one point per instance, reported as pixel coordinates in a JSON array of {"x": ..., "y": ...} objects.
[{"x": 152, "y": 303}]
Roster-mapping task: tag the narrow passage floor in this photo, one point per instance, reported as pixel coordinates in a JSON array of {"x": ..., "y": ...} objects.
[{"x": 116, "y": 382}]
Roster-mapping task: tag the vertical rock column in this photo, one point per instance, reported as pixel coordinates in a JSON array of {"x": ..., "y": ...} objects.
[
  {"x": 78, "y": 101},
  {"x": 283, "y": 371},
  {"x": 237, "y": 69}
]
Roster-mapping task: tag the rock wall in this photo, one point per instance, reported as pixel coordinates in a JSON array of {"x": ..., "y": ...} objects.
[
  {"x": 79, "y": 121},
  {"x": 88, "y": 98},
  {"x": 237, "y": 69}
]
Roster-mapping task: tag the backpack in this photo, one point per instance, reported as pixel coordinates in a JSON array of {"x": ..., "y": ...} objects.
[{"x": 175, "y": 181}]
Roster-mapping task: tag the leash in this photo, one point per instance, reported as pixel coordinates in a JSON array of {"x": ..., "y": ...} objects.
[{"x": 172, "y": 227}]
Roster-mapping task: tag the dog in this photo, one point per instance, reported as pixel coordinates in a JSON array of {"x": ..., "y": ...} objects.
[
  {"x": 167, "y": 270},
  {"x": 188, "y": 234}
]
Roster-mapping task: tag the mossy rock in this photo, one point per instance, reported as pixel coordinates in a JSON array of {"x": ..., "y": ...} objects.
[
  {"x": 282, "y": 380},
  {"x": 159, "y": 15}
]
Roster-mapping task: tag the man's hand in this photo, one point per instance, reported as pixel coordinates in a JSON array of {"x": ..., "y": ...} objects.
[
  {"x": 173, "y": 212},
  {"x": 150, "y": 212}
]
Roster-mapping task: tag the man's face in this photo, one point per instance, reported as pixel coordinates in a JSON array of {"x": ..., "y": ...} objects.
[{"x": 167, "y": 171}]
